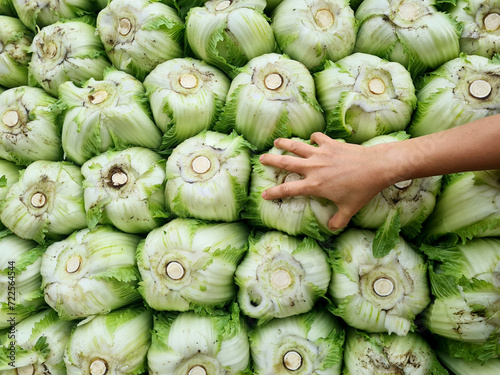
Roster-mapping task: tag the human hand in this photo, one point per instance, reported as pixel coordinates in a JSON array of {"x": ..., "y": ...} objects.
[{"x": 350, "y": 175}]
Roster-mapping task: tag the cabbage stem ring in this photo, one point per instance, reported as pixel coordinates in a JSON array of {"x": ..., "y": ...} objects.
[
  {"x": 98, "y": 97},
  {"x": 223, "y": 5},
  {"x": 324, "y": 18},
  {"x": 480, "y": 89},
  {"x": 383, "y": 287},
  {"x": 98, "y": 367},
  {"x": 118, "y": 179},
  {"x": 376, "y": 86},
  {"x": 201, "y": 164},
  {"x": 273, "y": 81},
  {"x": 408, "y": 11},
  {"x": 73, "y": 264},
  {"x": 401, "y": 185},
  {"x": 292, "y": 360},
  {"x": 38, "y": 200},
  {"x": 50, "y": 51},
  {"x": 188, "y": 81},
  {"x": 10, "y": 118},
  {"x": 175, "y": 271},
  {"x": 197, "y": 370},
  {"x": 292, "y": 177},
  {"x": 492, "y": 22},
  {"x": 26, "y": 370},
  {"x": 281, "y": 279},
  {"x": 124, "y": 26}
]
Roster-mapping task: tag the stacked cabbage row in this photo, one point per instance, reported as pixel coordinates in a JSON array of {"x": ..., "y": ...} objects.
[{"x": 130, "y": 186}]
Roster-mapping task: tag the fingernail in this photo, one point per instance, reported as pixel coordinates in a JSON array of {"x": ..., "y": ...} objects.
[
  {"x": 261, "y": 157},
  {"x": 276, "y": 141},
  {"x": 264, "y": 195}
]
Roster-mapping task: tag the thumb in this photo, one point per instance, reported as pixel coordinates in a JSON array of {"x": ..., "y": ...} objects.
[{"x": 339, "y": 220}]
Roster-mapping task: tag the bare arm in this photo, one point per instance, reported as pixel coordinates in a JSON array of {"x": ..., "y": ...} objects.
[{"x": 351, "y": 175}]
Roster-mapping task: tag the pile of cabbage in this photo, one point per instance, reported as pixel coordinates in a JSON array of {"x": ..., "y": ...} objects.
[{"x": 133, "y": 235}]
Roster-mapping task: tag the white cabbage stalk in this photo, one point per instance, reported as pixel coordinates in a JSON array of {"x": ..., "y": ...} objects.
[
  {"x": 309, "y": 343},
  {"x": 229, "y": 33},
  {"x": 116, "y": 343},
  {"x": 303, "y": 215},
  {"x": 46, "y": 203},
  {"x": 41, "y": 13},
  {"x": 377, "y": 294},
  {"x": 66, "y": 51},
  {"x": 15, "y": 42},
  {"x": 369, "y": 354},
  {"x": 481, "y": 26},
  {"x": 112, "y": 113},
  {"x": 273, "y": 96},
  {"x": 462, "y": 367},
  {"x": 39, "y": 343},
  {"x": 464, "y": 315},
  {"x": 460, "y": 91},
  {"x": 125, "y": 189},
  {"x": 207, "y": 177},
  {"x": 281, "y": 276},
  {"x": 403, "y": 206},
  {"x": 192, "y": 344},
  {"x": 140, "y": 34},
  {"x": 28, "y": 126},
  {"x": 468, "y": 207},
  {"x": 90, "y": 272},
  {"x": 186, "y": 97},
  {"x": 20, "y": 279},
  {"x": 187, "y": 264},
  {"x": 313, "y": 31},
  {"x": 9, "y": 175},
  {"x": 411, "y": 32},
  {"x": 364, "y": 96}
]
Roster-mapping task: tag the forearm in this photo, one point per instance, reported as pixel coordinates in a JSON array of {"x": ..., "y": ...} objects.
[{"x": 474, "y": 146}]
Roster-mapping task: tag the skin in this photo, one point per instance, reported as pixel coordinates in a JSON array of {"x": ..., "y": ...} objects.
[{"x": 351, "y": 175}]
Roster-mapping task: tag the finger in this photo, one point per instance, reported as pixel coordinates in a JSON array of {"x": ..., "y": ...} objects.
[
  {"x": 288, "y": 163},
  {"x": 320, "y": 138},
  {"x": 339, "y": 220},
  {"x": 297, "y": 147},
  {"x": 288, "y": 189}
]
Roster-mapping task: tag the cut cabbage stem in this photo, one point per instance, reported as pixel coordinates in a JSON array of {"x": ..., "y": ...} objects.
[
  {"x": 98, "y": 367},
  {"x": 408, "y": 11},
  {"x": 98, "y": 97},
  {"x": 188, "y": 81},
  {"x": 292, "y": 360},
  {"x": 175, "y": 270},
  {"x": 324, "y": 18},
  {"x": 480, "y": 89},
  {"x": 50, "y": 51},
  {"x": 273, "y": 81},
  {"x": 197, "y": 370},
  {"x": 223, "y": 5},
  {"x": 281, "y": 279},
  {"x": 292, "y": 177},
  {"x": 201, "y": 164},
  {"x": 73, "y": 264},
  {"x": 383, "y": 287},
  {"x": 402, "y": 185},
  {"x": 38, "y": 200},
  {"x": 11, "y": 118},
  {"x": 376, "y": 86},
  {"x": 26, "y": 370},
  {"x": 124, "y": 27},
  {"x": 492, "y": 22},
  {"x": 119, "y": 178}
]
